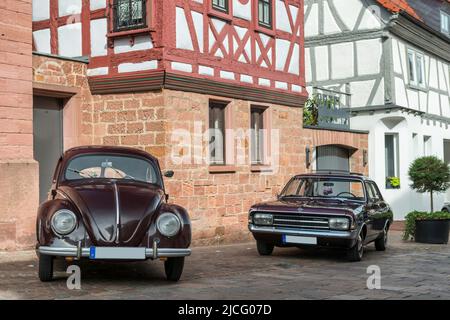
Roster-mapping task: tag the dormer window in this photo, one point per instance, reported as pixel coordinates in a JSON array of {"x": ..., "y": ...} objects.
[
  {"x": 129, "y": 14},
  {"x": 265, "y": 13},
  {"x": 445, "y": 23},
  {"x": 221, "y": 5}
]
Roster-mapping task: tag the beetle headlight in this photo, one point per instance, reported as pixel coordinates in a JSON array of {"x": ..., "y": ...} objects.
[
  {"x": 265, "y": 219},
  {"x": 168, "y": 224},
  {"x": 63, "y": 222},
  {"x": 339, "y": 223}
]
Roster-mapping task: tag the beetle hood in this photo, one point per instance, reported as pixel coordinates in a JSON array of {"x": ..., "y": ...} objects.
[{"x": 115, "y": 213}]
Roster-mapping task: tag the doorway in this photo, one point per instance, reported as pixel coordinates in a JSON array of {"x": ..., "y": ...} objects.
[
  {"x": 332, "y": 158},
  {"x": 47, "y": 139}
]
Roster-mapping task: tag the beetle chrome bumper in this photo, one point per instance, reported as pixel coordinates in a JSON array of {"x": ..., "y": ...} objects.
[
  {"x": 332, "y": 234},
  {"x": 78, "y": 252}
]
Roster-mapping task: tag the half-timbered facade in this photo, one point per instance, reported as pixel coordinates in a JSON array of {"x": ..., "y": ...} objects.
[
  {"x": 389, "y": 62},
  {"x": 213, "y": 88}
]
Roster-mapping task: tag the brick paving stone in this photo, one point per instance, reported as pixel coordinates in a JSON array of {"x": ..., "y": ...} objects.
[{"x": 408, "y": 271}]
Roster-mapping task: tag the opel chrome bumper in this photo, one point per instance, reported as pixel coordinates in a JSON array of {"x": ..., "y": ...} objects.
[
  {"x": 78, "y": 252},
  {"x": 336, "y": 234}
]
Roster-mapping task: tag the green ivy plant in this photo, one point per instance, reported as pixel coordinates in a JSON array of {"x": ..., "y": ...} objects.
[
  {"x": 429, "y": 174},
  {"x": 412, "y": 217},
  {"x": 394, "y": 182}
]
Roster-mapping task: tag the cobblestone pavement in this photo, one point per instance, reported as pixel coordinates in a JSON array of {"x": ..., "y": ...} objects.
[{"x": 408, "y": 270}]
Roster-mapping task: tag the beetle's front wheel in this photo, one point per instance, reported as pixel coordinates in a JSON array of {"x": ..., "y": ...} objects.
[
  {"x": 174, "y": 268},
  {"x": 45, "y": 268}
]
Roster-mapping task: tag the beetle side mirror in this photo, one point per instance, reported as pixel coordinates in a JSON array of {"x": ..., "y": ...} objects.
[
  {"x": 169, "y": 174},
  {"x": 167, "y": 197}
]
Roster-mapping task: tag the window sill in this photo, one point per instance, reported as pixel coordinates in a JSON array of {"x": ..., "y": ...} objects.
[
  {"x": 261, "y": 168},
  {"x": 221, "y": 169},
  {"x": 220, "y": 14},
  {"x": 417, "y": 87},
  {"x": 132, "y": 32},
  {"x": 263, "y": 29}
]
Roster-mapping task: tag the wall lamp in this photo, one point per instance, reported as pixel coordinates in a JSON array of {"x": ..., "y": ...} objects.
[
  {"x": 365, "y": 158},
  {"x": 308, "y": 157}
]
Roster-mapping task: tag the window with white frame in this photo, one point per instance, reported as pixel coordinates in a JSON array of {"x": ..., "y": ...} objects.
[
  {"x": 416, "y": 68},
  {"x": 445, "y": 23},
  {"x": 391, "y": 155}
]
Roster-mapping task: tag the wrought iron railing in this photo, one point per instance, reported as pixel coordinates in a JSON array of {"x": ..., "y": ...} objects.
[{"x": 129, "y": 14}]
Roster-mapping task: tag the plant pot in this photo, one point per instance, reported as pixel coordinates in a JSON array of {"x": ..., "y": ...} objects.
[{"x": 432, "y": 231}]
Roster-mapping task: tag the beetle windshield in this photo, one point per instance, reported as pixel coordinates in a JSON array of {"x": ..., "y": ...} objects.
[
  {"x": 320, "y": 187},
  {"x": 107, "y": 166}
]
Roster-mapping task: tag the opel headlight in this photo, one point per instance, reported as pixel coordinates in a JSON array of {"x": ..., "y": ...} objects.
[
  {"x": 168, "y": 224},
  {"x": 339, "y": 223},
  {"x": 63, "y": 222},
  {"x": 265, "y": 219}
]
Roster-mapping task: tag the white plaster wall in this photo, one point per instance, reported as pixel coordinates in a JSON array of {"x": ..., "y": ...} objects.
[
  {"x": 42, "y": 40},
  {"x": 185, "y": 67},
  {"x": 208, "y": 71},
  {"x": 348, "y": 11},
  {"x": 342, "y": 60},
  {"x": 282, "y": 19},
  {"x": 308, "y": 71},
  {"x": 294, "y": 66},
  {"x": 369, "y": 54},
  {"x": 99, "y": 28},
  {"x": 312, "y": 21},
  {"x": 97, "y": 4},
  {"x": 322, "y": 65},
  {"x": 68, "y": 7},
  {"x": 41, "y": 10},
  {"x": 139, "y": 66},
  {"x": 69, "y": 40},
  {"x": 97, "y": 71},
  {"x": 197, "y": 18},
  {"x": 123, "y": 45},
  {"x": 243, "y": 11},
  {"x": 183, "y": 36},
  {"x": 282, "y": 50},
  {"x": 330, "y": 25}
]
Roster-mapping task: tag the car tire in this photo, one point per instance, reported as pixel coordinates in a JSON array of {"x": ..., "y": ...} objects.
[
  {"x": 45, "y": 268},
  {"x": 381, "y": 243},
  {"x": 264, "y": 249},
  {"x": 356, "y": 252},
  {"x": 174, "y": 268}
]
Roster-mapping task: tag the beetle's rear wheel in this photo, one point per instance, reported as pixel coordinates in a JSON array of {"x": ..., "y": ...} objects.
[
  {"x": 45, "y": 268},
  {"x": 174, "y": 268}
]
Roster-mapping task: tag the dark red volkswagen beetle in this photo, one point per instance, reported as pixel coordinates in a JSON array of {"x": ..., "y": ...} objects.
[{"x": 109, "y": 203}]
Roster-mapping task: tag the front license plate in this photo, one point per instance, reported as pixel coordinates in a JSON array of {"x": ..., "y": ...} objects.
[
  {"x": 117, "y": 253},
  {"x": 299, "y": 240}
]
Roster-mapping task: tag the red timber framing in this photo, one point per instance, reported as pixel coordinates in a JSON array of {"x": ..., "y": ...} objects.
[{"x": 239, "y": 48}]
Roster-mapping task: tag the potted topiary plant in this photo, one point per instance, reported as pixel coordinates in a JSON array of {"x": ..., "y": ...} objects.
[{"x": 428, "y": 174}]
